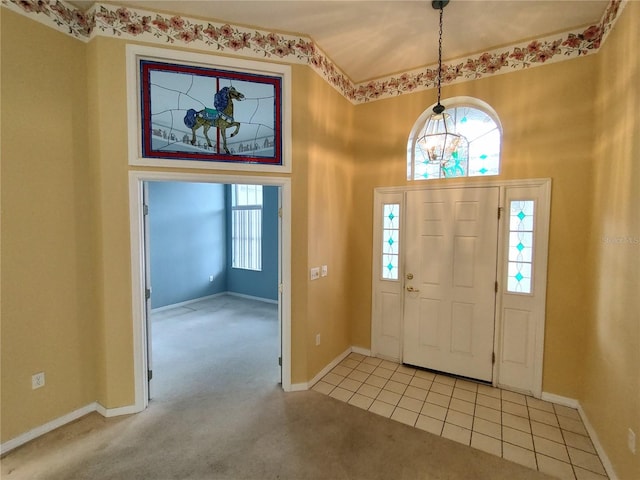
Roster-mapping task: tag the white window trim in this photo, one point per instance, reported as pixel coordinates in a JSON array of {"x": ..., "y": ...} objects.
[
  {"x": 136, "y": 52},
  {"x": 234, "y": 253}
]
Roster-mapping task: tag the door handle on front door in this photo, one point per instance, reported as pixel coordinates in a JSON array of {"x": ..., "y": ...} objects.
[{"x": 412, "y": 290}]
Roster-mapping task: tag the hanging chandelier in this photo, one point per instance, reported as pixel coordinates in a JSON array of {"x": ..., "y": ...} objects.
[{"x": 440, "y": 144}]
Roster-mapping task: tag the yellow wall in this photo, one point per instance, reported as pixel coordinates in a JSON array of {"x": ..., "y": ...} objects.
[
  {"x": 548, "y": 131},
  {"x": 319, "y": 180},
  {"x": 66, "y": 243},
  {"x": 322, "y": 133},
  {"x": 66, "y": 286},
  {"x": 610, "y": 392},
  {"x": 48, "y": 231},
  {"x": 109, "y": 150}
]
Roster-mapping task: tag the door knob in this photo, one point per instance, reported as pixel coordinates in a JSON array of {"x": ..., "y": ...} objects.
[{"x": 411, "y": 289}]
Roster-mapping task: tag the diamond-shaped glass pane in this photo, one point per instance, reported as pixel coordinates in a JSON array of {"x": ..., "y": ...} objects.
[
  {"x": 391, "y": 216},
  {"x": 521, "y": 215},
  {"x": 390, "y": 267},
  {"x": 390, "y": 240},
  {"x": 480, "y": 156},
  {"x": 519, "y": 277},
  {"x": 520, "y": 265}
]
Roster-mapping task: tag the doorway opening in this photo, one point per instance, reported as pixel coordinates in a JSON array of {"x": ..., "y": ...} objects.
[
  {"x": 213, "y": 261},
  {"x": 214, "y": 293}
]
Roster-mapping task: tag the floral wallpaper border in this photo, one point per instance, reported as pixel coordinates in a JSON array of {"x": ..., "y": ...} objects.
[{"x": 130, "y": 23}]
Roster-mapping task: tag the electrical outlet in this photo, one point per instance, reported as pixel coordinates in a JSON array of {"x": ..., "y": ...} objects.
[
  {"x": 317, "y": 339},
  {"x": 315, "y": 273},
  {"x": 631, "y": 441},
  {"x": 323, "y": 272},
  {"x": 37, "y": 380},
  {"x": 211, "y": 278}
]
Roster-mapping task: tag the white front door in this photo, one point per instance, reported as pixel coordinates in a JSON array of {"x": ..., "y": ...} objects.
[{"x": 450, "y": 274}]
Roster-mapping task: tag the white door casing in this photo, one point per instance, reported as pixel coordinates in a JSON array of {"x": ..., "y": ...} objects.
[
  {"x": 147, "y": 288},
  {"x": 512, "y": 311},
  {"x": 136, "y": 185},
  {"x": 450, "y": 253}
]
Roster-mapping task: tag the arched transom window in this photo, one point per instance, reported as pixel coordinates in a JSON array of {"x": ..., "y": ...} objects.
[{"x": 476, "y": 121}]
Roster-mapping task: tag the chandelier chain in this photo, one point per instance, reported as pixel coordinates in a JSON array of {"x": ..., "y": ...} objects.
[{"x": 440, "y": 53}]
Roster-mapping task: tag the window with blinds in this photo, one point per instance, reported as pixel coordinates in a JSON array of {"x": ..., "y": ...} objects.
[{"x": 246, "y": 226}]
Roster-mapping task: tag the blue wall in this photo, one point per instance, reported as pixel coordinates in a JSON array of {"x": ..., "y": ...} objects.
[
  {"x": 187, "y": 223},
  {"x": 262, "y": 284}
]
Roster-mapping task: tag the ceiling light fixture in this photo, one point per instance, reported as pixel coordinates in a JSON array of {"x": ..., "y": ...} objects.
[{"x": 439, "y": 142}]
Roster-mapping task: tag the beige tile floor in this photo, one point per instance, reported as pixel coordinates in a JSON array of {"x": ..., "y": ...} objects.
[{"x": 538, "y": 434}]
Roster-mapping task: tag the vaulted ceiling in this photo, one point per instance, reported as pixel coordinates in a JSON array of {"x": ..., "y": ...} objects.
[{"x": 372, "y": 39}]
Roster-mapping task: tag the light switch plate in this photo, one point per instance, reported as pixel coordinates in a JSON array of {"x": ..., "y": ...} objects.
[{"x": 315, "y": 273}]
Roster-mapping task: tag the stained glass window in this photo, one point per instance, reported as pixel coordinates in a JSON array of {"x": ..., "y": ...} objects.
[
  {"x": 520, "y": 262},
  {"x": 390, "y": 240},
  {"x": 484, "y": 136}
]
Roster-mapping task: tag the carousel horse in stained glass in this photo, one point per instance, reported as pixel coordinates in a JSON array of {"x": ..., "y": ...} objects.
[{"x": 220, "y": 117}]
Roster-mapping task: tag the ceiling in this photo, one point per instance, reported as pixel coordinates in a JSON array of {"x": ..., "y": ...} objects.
[{"x": 371, "y": 39}]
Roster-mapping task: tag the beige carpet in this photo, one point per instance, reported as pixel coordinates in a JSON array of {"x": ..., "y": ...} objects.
[{"x": 218, "y": 413}]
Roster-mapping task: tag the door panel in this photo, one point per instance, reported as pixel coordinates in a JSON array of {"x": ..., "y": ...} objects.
[
  {"x": 451, "y": 245},
  {"x": 390, "y": 313},
  {"x": 461, "y": 328},
  {"x": 516, "y": 325}
]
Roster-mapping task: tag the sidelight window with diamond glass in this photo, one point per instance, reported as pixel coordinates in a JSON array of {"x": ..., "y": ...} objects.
[
  {"x": 390, "y": 240},
  {"x": 520, "y": 263}
]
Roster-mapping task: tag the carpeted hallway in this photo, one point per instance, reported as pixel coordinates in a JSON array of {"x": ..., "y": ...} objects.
[{"x": 218, "y": 412}]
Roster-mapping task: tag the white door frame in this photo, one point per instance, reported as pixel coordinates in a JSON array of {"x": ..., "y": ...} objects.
[
  {"x": 136, "y": 218},
  {"x": 543, "y": 209}
]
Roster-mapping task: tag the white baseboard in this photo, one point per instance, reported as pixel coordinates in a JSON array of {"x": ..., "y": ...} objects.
[
  {"x": 336, "y": 361},
  {"x": 606, "y": 463},
  {"x": 329, "y": 367},
  {"x": 560, "y": 400},
  {"x": 186, "y": 302},
  {"x": 63, "y": 420},
  {"x": 251, "y": 297},
  {"x": 116, "y": 412},
  {"x": 131, "y": 409},
  {"x": 46, "y": 428},
  {"x": 220, "y": 294},
  {"x": 299, "y": 387},
  {"x": 573, "y": 403},
  {"x": 361, "y": 351}
]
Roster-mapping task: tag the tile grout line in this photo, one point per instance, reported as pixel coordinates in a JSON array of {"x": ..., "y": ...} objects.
[
  {"x": 533, "y": 441},
  {"x": 384, "y": 364},
  {"x": 566, "y": 449}
]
